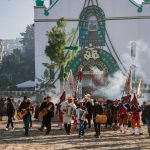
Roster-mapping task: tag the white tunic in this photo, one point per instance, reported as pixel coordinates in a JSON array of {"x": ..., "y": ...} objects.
[{"x": 68, "y": 110}]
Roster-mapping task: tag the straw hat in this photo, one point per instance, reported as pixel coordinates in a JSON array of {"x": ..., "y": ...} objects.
[
  {"x": 70, "y": 98},
  {"x": 88, "y": 95}
]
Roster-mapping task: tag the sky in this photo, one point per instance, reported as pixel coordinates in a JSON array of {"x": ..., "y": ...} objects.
[{"x": 15, "y": 15}]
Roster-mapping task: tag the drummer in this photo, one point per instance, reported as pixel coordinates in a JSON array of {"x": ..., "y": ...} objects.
[
  {"x": 97, "y": 110},
  {"x": 68, "y": 108}
]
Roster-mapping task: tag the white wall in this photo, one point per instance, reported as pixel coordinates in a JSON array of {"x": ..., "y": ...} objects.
[{"x": 121, "y": 31}]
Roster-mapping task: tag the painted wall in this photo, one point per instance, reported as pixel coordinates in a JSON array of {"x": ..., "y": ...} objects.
[{"x": 121, "y": 32}]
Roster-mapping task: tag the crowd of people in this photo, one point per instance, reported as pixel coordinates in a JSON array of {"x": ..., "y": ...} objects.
[{"x": 80, "y": 114}]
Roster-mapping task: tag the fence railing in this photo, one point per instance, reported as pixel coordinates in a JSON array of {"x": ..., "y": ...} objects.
[{"x": 17, "y": 93}]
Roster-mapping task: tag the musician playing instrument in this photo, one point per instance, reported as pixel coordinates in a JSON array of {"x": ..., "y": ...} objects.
[
  {"x": 48, "y": 107},
  {"x": 25, "y": 107},
  {"x": 97, "y": 110},
  {"x": 68, "y": 107},
  {"x": 42, "y": 107}
]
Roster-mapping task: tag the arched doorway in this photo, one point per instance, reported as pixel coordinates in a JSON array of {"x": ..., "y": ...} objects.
[{"x": 97, "y": 64}]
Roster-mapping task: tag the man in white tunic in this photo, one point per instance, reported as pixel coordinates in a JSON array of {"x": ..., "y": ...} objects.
[{"x": 68, "y": 108}]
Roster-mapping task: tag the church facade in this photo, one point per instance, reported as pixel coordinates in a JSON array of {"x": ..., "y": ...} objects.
[{"x": 105, "y": 30}]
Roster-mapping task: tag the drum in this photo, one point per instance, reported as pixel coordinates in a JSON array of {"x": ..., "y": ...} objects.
[{"x": 102, "y": 119}]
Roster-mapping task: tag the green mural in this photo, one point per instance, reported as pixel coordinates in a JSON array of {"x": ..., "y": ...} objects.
[
  {"x": 98, "y": 38},
  {"x": 92, "y": 40},
  {"x": 93, "y": 57}
]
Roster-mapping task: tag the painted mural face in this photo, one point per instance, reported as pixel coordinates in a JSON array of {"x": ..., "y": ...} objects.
[{"x": 92, "y": 24}]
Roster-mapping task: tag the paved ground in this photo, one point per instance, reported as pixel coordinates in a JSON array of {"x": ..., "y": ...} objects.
[{"x": 58, "y": 140}]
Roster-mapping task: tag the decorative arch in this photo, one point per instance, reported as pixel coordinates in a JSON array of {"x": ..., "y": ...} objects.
[
  {"x": 93, "y": 57},
  {"x": 86, "y": 37}
]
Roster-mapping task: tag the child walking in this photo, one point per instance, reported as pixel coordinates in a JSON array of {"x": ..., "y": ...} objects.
[{"x": 81, "y": 116}]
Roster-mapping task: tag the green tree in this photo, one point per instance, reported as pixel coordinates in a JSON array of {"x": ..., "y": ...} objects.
[
  {"x": 19, "y": 66},
  {"x": 28, "y": 56},
  {"x": 58, "y": 38}
]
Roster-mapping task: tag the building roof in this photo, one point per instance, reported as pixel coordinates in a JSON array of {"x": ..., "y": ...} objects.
[{"x": 26, "y": 84}]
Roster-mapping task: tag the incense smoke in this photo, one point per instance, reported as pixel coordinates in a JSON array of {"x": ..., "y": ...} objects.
[{"x": 114, "y": 88}]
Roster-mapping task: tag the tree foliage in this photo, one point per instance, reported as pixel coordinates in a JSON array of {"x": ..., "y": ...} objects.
[
  {"x": 58, "y": 38},
  {"x": 56, "y": 43},
  {"x": 18, "y": 66}
]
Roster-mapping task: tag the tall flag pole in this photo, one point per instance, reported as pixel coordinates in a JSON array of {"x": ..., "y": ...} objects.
[
  {"x": 128, "y": 84},
  {"x": 139, "y": 92},
  {"x": 133, "y": 66},
  {"x": 134, "y": 101},
  {"x": 70, "y": 84}
]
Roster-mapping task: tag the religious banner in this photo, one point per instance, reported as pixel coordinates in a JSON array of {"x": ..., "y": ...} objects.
[
  {"x": 128, "y": 84},
  {"x": 70, "y": 85},
  {"x": 139, "y": 92}
]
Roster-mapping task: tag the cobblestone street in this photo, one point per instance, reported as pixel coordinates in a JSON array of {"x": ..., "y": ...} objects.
[{"x": 58, "y": 140}]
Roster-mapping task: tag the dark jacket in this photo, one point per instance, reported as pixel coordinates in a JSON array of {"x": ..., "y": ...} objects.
[
  {"x": 146, "y": 112},
  {"x": 10, "y": 109},
  {"x": 43, "y": 106},
  {"x": 27, "y": 106},
  {"x": 47, "y": 118},
  {"x": 97, "y": 109},
  {"x": 1, "y": 107},
  {"x": 89, "y": 108},
  {"x": 115, "y": 109}
]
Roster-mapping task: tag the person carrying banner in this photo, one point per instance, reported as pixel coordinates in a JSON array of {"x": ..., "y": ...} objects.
[{"x": 135, "y": 116}]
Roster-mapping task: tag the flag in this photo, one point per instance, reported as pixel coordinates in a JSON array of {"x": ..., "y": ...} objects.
[
  {"x": 79, "y": 90},
  {"x": 80, "y": 74},
  {"x": 70, "y": 84},
  {"x": 128, "y": 84},
  {"x": 75, "y": 95},
  {"x": 139, "y": 92},
  {"x": 134, "y": 101},
  {"x": 63, "y": 96},
  {"x": 126, "y": 99}
]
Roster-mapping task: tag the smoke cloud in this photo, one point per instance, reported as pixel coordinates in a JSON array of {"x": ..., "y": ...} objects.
[
  {"x": 114, "y": 88},
  {"x": 142, "y": 54}
]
